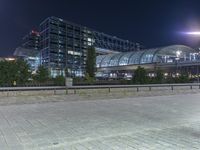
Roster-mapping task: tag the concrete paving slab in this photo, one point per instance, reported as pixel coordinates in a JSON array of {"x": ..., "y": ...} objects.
[{"x": 157, "y": 122}]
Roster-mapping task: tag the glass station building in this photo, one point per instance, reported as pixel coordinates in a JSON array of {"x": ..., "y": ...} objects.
[
  {"x": 172, "y": 59},
  {"x": 29, "y": 50},
  {"x": 31, "y": 40},
  {"x": 31, "y": 56},
  {"x": 64, "y": 45}
]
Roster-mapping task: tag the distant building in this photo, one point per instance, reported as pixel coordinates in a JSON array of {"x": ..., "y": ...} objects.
[
  {"x": 31, "y": 56},
  {"x": 64, "y": 45},
  {"x": 29, "y": 50},
  {"x": 31, "y": 40},
  {"x": 7, "y": 58},
  {"x": 172, "y": 60}
]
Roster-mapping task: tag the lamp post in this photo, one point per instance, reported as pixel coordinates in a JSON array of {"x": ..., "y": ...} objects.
[
  {"x": 178, "y": 54},
  {"x": 198, "y": 73},
  {"x": 177, "y": 59},
  {"x": 195, "y": 34}
]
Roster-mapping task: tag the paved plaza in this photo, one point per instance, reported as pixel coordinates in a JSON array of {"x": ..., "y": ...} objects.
[{"x": 141, "y": 123}]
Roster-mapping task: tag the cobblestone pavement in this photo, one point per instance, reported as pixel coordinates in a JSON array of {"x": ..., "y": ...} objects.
[{"x": 142, "y": 123}]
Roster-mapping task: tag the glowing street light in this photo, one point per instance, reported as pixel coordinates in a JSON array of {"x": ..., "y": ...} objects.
[
  {"x": 192, "y": 33},
  {"x": 195, "y": 34}
]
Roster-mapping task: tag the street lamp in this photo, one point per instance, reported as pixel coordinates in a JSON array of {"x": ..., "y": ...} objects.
[
  {"x": 196, "y": 34},
  {"x": 177, "y": 60}
]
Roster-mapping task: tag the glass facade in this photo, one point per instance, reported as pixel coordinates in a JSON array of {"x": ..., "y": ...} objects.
[
  {"x": 31, "y": 40},
  {"x": 29, "y": 50},
  {"x": 31, "y": 56},
  {"x": 170, "y": 54},
  {"x": 64, "y": 45},
  {"x": 102, "y": 40}
]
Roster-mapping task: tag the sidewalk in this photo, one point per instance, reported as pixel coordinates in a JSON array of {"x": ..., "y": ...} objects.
[{"x": 159, "y": 122}]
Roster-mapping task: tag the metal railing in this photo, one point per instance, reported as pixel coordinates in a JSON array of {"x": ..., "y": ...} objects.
[{"x": 109, "y": 87}]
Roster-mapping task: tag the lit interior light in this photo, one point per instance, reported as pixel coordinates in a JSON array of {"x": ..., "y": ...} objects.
[{"x": 178, "y": 53}]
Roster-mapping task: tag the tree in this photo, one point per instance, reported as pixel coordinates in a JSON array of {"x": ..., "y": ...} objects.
[
  {"x": 159, "y": 76},
  {"x": 140, "y": 76},
  {"x": 91, "y": 62},
  {"x": 23, "y": 71},
  {"x": 7, "y": 72},
  {"x": 42, "y": 74},
  {"x": 89, "y": 79},
  {"x": 59, "y": 80},
  {"x": 183, "y": 78},
  {"x": 14, "y": 71}
]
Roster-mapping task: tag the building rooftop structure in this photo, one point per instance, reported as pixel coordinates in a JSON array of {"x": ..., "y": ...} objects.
[
  {"x": 31, "y": 56},
  {"x": 169, "y": 54},
  {"x": 31, "y": 40},
  {"x": 24, "y": 52},
  {"x": 172, "y": 60},
  {"x": 64, "y": 46}
]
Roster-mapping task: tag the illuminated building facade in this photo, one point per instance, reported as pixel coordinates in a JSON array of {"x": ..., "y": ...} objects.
[
  {"x": 31, "y": 56},
  {"x": 31, "y": 40},
  {"x": 7, "y": 58},
  {"x": 64, "y": 46},
  {"x": 173, "y": 60},
  {"x": 30, "y": 50}
]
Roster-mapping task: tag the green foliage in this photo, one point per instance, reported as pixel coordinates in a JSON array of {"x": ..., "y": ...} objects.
[
  {"x": 14, "y": 72},
  {"x": 159, "y": 76},
  {"x": 89, "y": 79},
  {"x": 59, "y": 80},
  {"x": 42, "y": 74},
  {"x": 23, "y": 73},
  {"x": 91, "y": 62},
  {"x": 140, "y": 76},
  {"x": 182, "y": 79}
]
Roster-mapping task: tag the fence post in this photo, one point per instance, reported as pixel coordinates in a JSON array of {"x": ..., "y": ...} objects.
[
  {"x": 7, "y": 93},
  {"x": 67, "y": 91},
  {"x": 109, "y": 90},
  {"x": 149, "y": 88}
]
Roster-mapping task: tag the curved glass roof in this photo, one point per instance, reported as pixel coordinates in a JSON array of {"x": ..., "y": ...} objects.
[
  {"x": 114, "y": 61},
  {"x": 106, "y": 60},
  {"x": 135, "y": 58},
  {"x": 125, "y": 59},
  {"x": 99, "y": 60},
  {"x": 169, "y": 54},
  {"x": 148, "y": 56}
]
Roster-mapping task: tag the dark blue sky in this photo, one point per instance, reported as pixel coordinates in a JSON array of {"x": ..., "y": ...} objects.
[{"x": 150, "y": 22}]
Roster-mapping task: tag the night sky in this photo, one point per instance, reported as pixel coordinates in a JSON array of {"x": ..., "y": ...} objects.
[{"x": 150, "y": 22}]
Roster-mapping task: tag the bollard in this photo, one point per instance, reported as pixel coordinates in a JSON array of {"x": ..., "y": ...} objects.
[
  {"x": 172, "y": 88},
  {"x": 191, "y": 87},
  {"x": 137, "y": 89}
]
